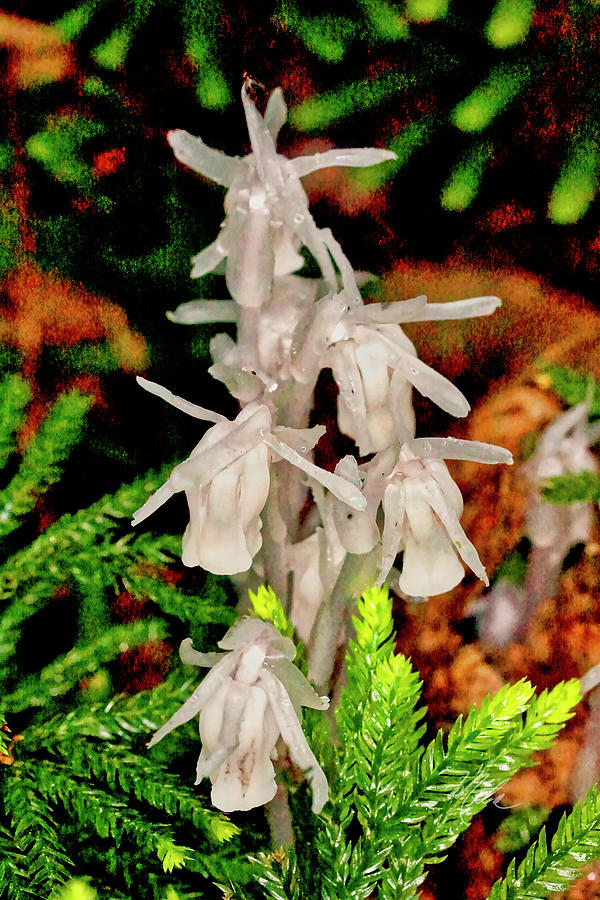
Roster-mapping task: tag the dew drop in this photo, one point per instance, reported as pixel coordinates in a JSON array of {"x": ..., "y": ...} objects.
[
  {"x": 414, "y": 371},
  {"x": 426, "y": 446},
  {"x": 298, "y": 219},
  {"x": 303, "y": 449}
]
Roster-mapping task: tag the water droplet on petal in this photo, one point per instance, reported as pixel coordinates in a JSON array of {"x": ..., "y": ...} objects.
[
  {"x": 298, "y": 219},
  {"x": 414, "y": 370}
]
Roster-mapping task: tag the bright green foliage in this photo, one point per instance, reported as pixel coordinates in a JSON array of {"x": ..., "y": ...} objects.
[
  {"x": 59, "y": 148},
  {"x": 41, "y": 465},
  {"x": 426, "y": 10},
  {"x": 267, "y": 605},
  {"x": 14, "y": 395},
  {"x": 463, "y": 185},
  {"x": 520, "y": 827},
  {"x": 65, "y": 672},
  {"x": 577, "y": 183},
  {"x": 510, "y": 22},
  {"x": 396, "y": 806},
  {"x": 481, "y": 107},
  {"x": 548, "y": 869},
  {"x": 83, "y": 790},
  {"x": 584, "y": 487},
  {"x": 574, "y": 387}
]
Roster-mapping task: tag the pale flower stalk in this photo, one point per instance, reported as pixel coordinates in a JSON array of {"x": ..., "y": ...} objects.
[
  {"x": 260, "y": 509},
  {"x": 251, "y": 697}
]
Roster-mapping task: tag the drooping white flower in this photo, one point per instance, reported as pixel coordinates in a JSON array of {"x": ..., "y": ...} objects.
[
  {"x": 226, "y": 482},
  {"x": 375, "y": 365},
  {"x": 252, "y": 696},
  {"x": 267, "y": 215},
  {"x": 562, "y": 450},
  {"x": 421, "y": 507}
]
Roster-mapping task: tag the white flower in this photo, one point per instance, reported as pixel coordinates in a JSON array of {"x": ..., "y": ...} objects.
[
  {"x": 251, "y": 696},
  {"x": 563, "y": 449},
  {"x": 267, "y": 216},
  {"x": 226, "y": 482},
  {"x": 421, "y": 506},
  {"x": 375, "y": 365}
]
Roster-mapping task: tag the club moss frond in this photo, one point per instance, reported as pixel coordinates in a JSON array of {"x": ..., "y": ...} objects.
[
  {"x": 41, "y": 465},
  {"x": 550, "y": 869},
  {"x": 66, "y": 671},
  {"x": 15, "y": 393}
]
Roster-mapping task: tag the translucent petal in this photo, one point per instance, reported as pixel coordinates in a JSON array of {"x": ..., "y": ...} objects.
[
  {"x": 192, "y": 657},
  {"x": 299, "y": 689},
  {"x": 300, "y": 439},
  {"x": 312, "y": 335},
  {"x": 207, "y": 461},
  {"x": 208, "y": 259},
  {"x": 453, "y": 448},
  {"x": 275, "y": 113},
  {"x": 199, "y": 312},
  {"x": 213, "y": 164},
  {"x": 251, "y": 261},
  {"x": 391, "y": 313},
  {"x": 263, "y": 146},
  {"x": 293, "y": 736},
  {"x": 340, "y": 488},
  {"x": 251, "y": 630},
  {"x": 343, "y": 264},
  {"x": 393, "y": 528},
  {"x": 192, "y": 706},
  {"x": 460, "y": 309},
  {"x": 431, "y": 384},
  {"x": 154, "y": 502},
  {"x": 431, "y": 566},
  {"x": 356, "y": 156},
  {"x": 192, "y": 409},
  {"x": 460, "y": 540},
  {"x": 401, "y": 406}
]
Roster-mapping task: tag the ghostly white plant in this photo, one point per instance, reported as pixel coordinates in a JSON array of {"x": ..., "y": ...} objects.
[
  {"x": 563, "y": 449},
  {"x": 251, "y": 696},
  {"x": 260, "y": 509}
]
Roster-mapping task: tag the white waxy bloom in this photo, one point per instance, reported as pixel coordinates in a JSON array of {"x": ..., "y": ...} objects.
[
  {"x": 563, "y": 450},
  {"x": 226, "y": 482},
  {"x": 421, "y": 509},
  {"x": 267, "y": 215},
  {"x": 375, "y": 365},
  {"x": 252, "y": 695}
]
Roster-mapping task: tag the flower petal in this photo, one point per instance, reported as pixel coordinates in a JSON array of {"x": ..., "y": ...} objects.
[
  {"x": 430, "y": 566},
  {"x": 343, "y": 264},
  {"x": 356, "y": 156},
  {"x": 293, "y": 736},
  {"x": 192, "y": 409},
  {"x": 460, "y": 309},
  {"x": 154, "y": 502},
  {"x": 193, "y": 152},
  {"x": 394, "y": 505},
  {"x": 431, "y": 384},
  {"x": 208, "y": 259},
  {"x": 192, "y": 706},
  {"x": 275, "y": 113},
  {"x": 192, "y": 657},
  {"x": 298, "y": 688},
  {"x": 450, "y": 522},
  {"x": 200, "y": 312},
  {"x": 340, "y": 488},
  {"x": 453, "y": 448}
]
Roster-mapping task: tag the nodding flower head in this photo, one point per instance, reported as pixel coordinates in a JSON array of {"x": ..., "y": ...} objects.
[
  {"x": 267, "y": 216},
  {"x": 252, "y": 695},
  {"x": 421, "y": 507},
  {"x": 226, "y": 481}
]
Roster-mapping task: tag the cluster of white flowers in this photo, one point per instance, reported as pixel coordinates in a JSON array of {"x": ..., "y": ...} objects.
[{"x": 248, "y": 480}]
